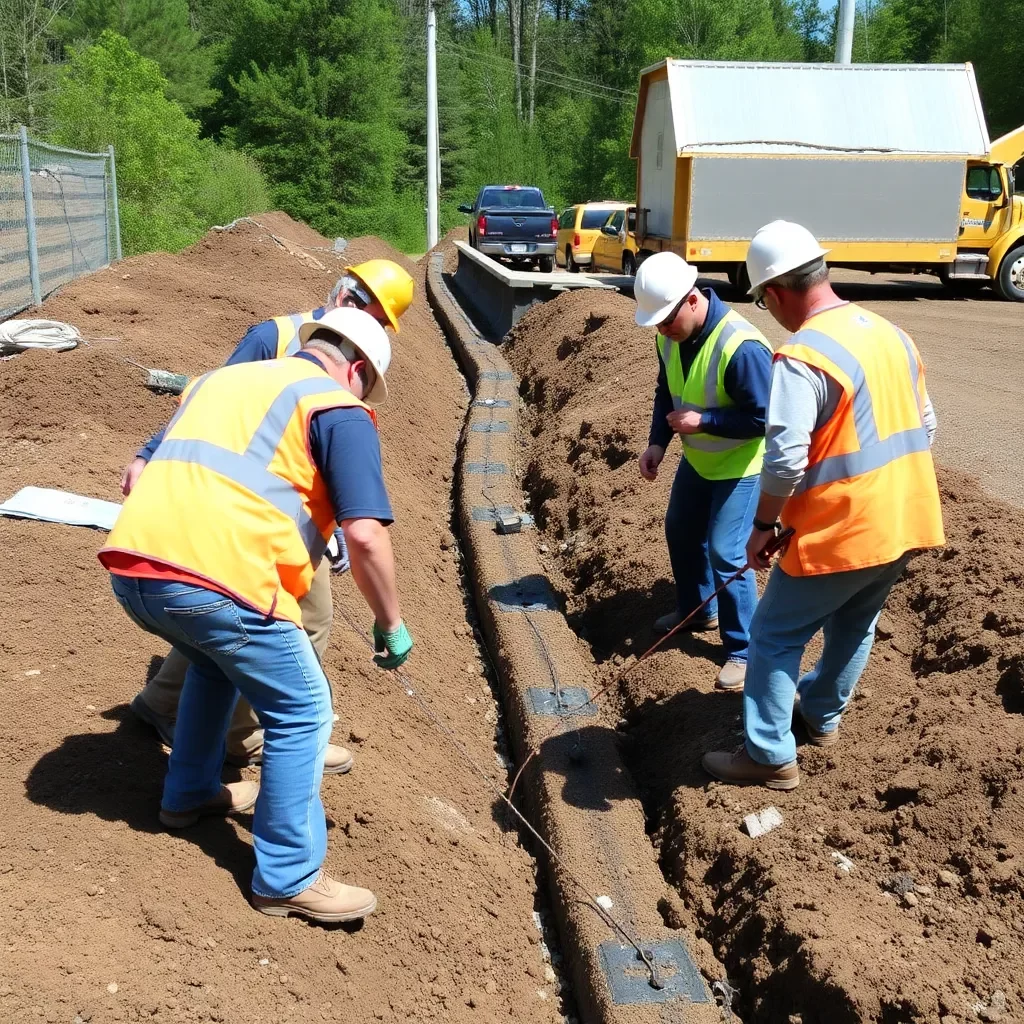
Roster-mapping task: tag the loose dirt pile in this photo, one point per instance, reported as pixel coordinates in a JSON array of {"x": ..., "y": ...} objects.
[
  {"x": 106, "y": 916},
  {"x": 925, "y": 792}
]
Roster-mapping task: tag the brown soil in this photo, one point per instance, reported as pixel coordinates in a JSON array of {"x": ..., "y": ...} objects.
[
  {"x": 926, "y": 788},
  {"x": 95, "y": 894}
]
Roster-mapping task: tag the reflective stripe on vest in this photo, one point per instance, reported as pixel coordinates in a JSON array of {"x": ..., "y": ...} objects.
[
  {"x": 249, "y": 469},
  {"x": 869, "y": 494},
  {"x": 874, "y": 453},
  {"x": 704, "y": 448},
  {"x": 288, "y": 332}
]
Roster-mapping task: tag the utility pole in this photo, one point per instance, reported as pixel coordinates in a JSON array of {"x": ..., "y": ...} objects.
[
  {"x": 844, "y": 37},
  {"x": 433, "y": 155}
]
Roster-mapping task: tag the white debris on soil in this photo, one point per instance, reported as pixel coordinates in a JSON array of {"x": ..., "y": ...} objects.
[
  {"x": 842, "y": 861},
  {"x": 760, "y": 822},
  {"x": 605, "y": 902}
]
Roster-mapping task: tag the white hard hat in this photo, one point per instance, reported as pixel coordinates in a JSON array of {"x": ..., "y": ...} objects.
[
  {"x": 365, "y": 334},
  {"x": 778, "y": 248},
  {"x": 661, "y": 282}
]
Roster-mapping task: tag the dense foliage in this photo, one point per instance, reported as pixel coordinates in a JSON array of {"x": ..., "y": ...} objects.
[{"x": 217, "y": 107}]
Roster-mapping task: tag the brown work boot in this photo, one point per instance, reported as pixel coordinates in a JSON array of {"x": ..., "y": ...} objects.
[
  {"x": 732, "y": 676},
  {"x": 326, "y": 900},
  {"x": 668, "y": 622},
  {"x": 337, "y": 761},
  {"x": 818, "y": 738},
  {"x": 738, "y": 768},
  {"x": 233, "y": 798}
]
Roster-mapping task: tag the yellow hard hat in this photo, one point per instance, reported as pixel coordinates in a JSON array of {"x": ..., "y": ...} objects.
[{"x": 391, "y": 286}]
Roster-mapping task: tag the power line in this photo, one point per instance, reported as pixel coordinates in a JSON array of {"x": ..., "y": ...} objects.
[
  {"x": 587, "y": 83},
  {"x": 496, "y": 57},
  {"x": 543, "y": 78}
]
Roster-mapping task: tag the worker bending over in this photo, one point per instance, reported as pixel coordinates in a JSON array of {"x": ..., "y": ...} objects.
[
  {"x": 712, "y": 390},
  {"x": 848, "y": 466},
  {"x": 383, "y": 290},
  {"x": 215, "y": 547}
]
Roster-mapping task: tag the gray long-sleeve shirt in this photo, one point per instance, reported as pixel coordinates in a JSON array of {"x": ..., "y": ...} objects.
[{"x": 802, "y": 399}]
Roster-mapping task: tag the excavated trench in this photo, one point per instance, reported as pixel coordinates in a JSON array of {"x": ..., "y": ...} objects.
[{"x": 891, "y": 890}]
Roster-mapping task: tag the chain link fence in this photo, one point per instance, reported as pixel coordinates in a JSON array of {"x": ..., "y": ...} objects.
[{"x": 58, "y": 218}]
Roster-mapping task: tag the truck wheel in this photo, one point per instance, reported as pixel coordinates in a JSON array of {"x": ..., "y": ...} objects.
[
  {"x": 739, "y": 278},
  {"x": 547, "y": 264},
  {"x": 1011, "y": 275},
  {"x": 570, "y": 263},
  {"x": 628, "y": 264}
]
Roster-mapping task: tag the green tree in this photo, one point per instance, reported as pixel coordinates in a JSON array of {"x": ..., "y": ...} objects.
[
  {"x": 311, "y": 89},
  {"x": 159, "y": 29},
  {"x": 171, "y": 184}
]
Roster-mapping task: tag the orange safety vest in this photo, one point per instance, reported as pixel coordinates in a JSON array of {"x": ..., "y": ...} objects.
[
  {"x": 869, "y": 493},
  {"x": 288, "y": 332},
  {"x": 232, "y": 494}
]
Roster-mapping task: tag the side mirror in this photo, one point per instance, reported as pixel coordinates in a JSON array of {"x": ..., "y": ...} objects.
[
  {"x": 463, "y": 208},
  {"x": 609, "y": 230}
]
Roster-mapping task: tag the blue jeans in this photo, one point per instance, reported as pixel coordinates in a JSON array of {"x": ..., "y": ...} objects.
[
  {"x": 233, "y": 649},
  {"x": 706, "y": 527},
  {"x": 845, "y": 606}
]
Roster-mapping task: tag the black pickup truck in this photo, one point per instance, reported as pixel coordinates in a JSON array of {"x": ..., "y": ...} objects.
[{"x": 512, "y": 222}]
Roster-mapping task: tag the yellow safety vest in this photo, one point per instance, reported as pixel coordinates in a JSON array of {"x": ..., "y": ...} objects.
[
  {"x": 869, "y": 493},
  {"x": 232, "y": 494},
  {"x": 288, "y": 332},
  {"x": 713, "y": 457}
]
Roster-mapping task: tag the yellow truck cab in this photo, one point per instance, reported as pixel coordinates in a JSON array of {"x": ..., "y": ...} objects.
[{"x": 890, "y": 166}]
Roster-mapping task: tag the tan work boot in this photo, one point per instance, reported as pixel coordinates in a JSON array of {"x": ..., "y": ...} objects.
[
  {"x": 326, "y": 900},
  {"x": 668, "y": 622},
  {"x": 732, "y": 676},
  {"x": 233, "y": 798},
  {"x": 818, "y": 738},
  {"x": 337, "y": 761},
  {"x": 738, "y": 768}
]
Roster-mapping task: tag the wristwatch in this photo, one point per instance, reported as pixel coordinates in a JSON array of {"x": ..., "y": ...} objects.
[{"x": 761, "y": 525}]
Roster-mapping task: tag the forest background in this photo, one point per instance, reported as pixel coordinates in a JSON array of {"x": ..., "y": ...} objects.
[{"x": 220, "y": 108}]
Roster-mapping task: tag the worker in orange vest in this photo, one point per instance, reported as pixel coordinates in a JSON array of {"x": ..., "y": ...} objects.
[
  {"x": 214, "y": 550},
  {"x": 848, "y": 467},
  {"x": 384, "y": 290}
]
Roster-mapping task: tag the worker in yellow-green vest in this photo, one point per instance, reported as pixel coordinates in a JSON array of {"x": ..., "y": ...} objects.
[{"x": 712, "y": 391}]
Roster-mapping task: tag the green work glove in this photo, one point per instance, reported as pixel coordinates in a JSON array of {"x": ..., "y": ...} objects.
[{"x": 392, "y": 647}]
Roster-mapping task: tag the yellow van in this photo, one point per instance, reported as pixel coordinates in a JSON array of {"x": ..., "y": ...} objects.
[{"x": 578, "y": 229}]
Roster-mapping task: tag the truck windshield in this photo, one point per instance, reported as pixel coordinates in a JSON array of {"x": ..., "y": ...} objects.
[{"x": 512, "y": 199}]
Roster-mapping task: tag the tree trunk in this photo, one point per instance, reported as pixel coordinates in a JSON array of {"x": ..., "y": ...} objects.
[
  {"x": 516, "y": 29},
  {"x": 493, "y": 7},
  {"x": 533, "y": 56}
]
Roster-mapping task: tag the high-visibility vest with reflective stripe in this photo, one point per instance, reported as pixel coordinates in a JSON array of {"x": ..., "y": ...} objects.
[
  {"x": 714, "y": 458},
  {"x": 232, "y": 494},
  {"x": 288, "y": 332},
  {"x": 869, "y": 493}
]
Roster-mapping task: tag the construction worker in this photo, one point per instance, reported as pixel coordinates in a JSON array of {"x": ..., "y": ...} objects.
[
  {"x": 215, "y": 547},
  {"x": 384, "y": 290},
  {"x": 848, "y": 466},
  {"x": 712, "y": 390}
]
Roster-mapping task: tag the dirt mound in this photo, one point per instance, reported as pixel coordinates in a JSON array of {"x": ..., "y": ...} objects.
[
  {"x": 108, "y": 917},
  {"x": 293, "y": 230},
  {"x": 924, "y": 794}
]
